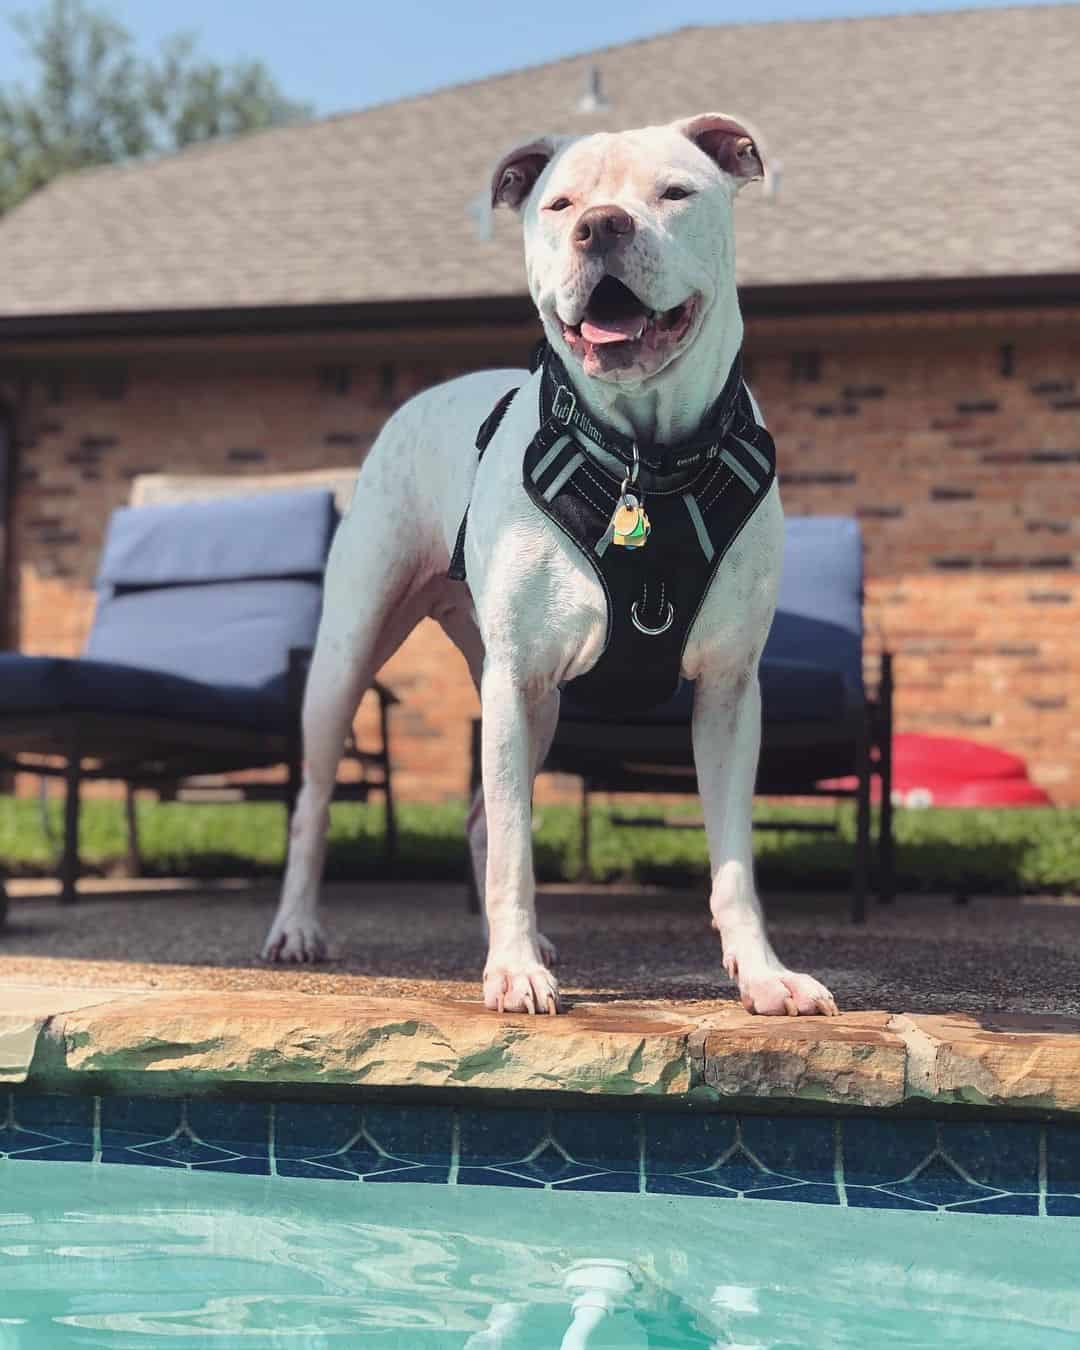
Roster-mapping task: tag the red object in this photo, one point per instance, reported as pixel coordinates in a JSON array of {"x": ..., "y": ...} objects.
[{"x": 948, "y": 771}]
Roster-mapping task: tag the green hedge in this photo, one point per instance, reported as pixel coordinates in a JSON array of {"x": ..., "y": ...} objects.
[{"x": 1008, "y": 851}]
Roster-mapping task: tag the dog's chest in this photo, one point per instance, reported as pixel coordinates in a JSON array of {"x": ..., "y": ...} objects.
[
  {"x": 655, "y": 590},
  {"x": 697, "y": 498}
]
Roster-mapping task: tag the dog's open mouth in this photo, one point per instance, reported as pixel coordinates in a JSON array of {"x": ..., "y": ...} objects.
[{"x": 617, "y": 330}]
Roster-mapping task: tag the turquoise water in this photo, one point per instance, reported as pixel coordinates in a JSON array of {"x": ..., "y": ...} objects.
[{"x": 142, "y": 1257}]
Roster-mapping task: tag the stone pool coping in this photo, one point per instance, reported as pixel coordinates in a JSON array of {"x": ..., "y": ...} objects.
[{"x": 205, "y": 1043}]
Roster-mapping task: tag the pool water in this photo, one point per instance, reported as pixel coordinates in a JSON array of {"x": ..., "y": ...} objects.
[{"x": 123, "y": 1257}]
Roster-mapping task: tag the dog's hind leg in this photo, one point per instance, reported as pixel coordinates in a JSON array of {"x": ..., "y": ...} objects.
[{"x": 371, "y": 604}]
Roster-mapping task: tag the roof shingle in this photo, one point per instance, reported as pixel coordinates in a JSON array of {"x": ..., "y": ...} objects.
[{"x": 919, "y": 146}]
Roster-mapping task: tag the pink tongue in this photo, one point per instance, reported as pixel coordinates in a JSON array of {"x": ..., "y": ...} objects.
[{"x": 613, "y": 330}]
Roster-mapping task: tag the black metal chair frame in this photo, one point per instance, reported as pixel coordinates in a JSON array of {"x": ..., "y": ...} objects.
[
  {"x": 660, "y": 761},
  {"x": 170, "y": 757}
]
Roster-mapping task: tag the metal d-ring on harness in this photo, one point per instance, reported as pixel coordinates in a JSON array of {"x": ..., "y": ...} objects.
[
  {"x": 668, "y": 620},
  {"x": 630, "y": 528}
]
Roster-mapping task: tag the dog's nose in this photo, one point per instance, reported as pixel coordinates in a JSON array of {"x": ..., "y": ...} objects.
[{"x": 600, "y": 228}]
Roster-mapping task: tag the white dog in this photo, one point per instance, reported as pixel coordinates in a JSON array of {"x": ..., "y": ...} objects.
[{"x": 629, "y": 250}]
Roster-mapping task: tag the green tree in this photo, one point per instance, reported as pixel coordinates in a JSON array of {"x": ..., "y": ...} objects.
[{"x": 94, "y": 100}]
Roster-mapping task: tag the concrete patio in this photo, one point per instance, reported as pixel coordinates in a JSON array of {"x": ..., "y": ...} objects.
[{"x": 923, "y": 954}]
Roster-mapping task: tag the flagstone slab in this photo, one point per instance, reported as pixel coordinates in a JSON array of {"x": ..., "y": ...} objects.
[
  {"x": 202, "y": 1042},
  {"x": 852, "y": 1060},
  {"x": 194, "y": 1041},
  {"x": 1017, "y": 1060},
  {"x": 25, "y": 1011}
]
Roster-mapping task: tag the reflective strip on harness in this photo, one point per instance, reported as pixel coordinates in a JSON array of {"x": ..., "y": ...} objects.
[
  {"x": 755, "y": 454},
  {"x": 550, "y": 458},
  {"x": 699, "y": 525},
  {"x": 567, "y": 471},
  {"x": 740, "y": 471}
]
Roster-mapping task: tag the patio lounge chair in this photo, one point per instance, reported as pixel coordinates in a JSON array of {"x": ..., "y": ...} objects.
[
  {"x": 818, "y": 721},
  {"x": 195, "y": 664}
]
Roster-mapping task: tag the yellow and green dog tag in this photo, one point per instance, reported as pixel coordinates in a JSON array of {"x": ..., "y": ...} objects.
[{"x": 630, "y": 526}]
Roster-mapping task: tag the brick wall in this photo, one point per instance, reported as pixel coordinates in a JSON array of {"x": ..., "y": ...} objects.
[
  {"x": 960, "y": 454},
  {"x": 956, "y": 441}
]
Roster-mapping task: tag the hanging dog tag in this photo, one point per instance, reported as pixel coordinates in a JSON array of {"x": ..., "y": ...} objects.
[{"x": 630, "y": 526}]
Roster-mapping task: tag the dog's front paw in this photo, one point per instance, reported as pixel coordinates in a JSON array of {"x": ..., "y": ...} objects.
[
  {"x": 295, "y": 938},
  {"x": 527, "y": 988},
  {"x": 780, "y": 993}
]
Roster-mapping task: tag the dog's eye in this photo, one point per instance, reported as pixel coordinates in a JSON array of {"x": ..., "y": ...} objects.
[
  {"x": 675, "y": 193},
  {"x": 559, "y": 204}
]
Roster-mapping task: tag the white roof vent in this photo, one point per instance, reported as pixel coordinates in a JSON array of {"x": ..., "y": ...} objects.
[{"x": 593, "y": 99}]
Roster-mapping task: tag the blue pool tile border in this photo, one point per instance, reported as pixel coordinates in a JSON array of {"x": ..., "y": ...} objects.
[{"x": 972, "y": 1167}]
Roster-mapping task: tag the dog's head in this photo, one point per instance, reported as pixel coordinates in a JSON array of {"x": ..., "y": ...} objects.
[{"x": 629, "y": 238}]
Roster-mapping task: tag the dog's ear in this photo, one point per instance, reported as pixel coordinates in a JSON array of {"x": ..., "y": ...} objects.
[
  {"x": 729, "y": 144},
  {"x": 516, "y": 173}
]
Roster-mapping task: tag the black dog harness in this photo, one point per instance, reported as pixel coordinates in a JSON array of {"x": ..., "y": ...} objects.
[{"x": 698, "y": 495}]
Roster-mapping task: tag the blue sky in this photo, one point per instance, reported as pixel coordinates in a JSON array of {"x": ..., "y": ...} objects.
[{"x": 342, "y": 54}]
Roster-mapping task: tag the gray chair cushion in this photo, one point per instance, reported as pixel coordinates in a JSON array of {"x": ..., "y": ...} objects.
[
  {"x": 51, "y": 684},
  {"x": 199, "y": 604},
  {"x": 214, "y": 591}
]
